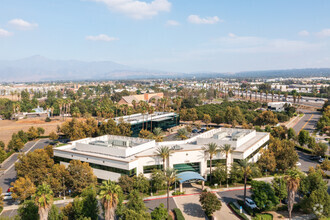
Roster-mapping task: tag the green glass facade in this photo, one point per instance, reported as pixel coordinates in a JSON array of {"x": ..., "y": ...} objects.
[
  {"x": 167, "y": 122},
  {"x": 215, "y": 162},
  {"x": 149, "y": 169},
  {"x": 182, "y": 167}
]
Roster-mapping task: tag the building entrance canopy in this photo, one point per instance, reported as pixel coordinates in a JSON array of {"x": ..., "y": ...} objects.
[{"x": 189, "y": 175}]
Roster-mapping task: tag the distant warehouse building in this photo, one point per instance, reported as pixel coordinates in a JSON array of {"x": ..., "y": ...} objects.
[
  {"x": 163, "y": 120},
  {"x": 113, "y": 156},
  {"x": 278, "y": 106}
]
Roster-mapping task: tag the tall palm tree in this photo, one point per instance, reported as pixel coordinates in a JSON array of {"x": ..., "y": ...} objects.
[
  {"x": 286, "y": 96},
  {"x": 266, "y": 95},
  {"x": 226, "y": 149},
  {"x": 158, "y": 134},
  {"x": 109, "y": 193},
  {"x": 170, "y": 177},
  {"x": 247, "y": 169},
  {"x": 299, "y": 97},
  {"x": 164, "y": 152},
  {"x": 292, "y": 184},
  {"x": 272, "y": 95},
  {"x": 278, "y": 95},
  {"x": 211, "y": 149},
  {"x": 261, "y": 94},
  {"x": 44, "y": 200}
]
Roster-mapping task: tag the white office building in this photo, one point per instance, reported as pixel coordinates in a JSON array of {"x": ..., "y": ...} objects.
[{"x": 112, "y": 156}]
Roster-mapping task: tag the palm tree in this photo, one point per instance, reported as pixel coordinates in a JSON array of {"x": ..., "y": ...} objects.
[
  {"x": 44, "y": 200},
  {"x": 211, "y": 149},
  {"x": 286, "y": 96},
  {"x": 278, "y": 95},
  {"x": 226, "y": 149},
  {"x": 292, "y": 184},
  {"x": 158, "y": 134},
  {"x": 247, "y": 169},
  {"x": 164, "y": 152},
  {"x": 299, "y": 97},
  {"x": 261, "y": 94},
  {"x": 266, "y": 95},
  {"x": 109, "y": 193},
  {"x": 171, "y": 177},
  {"x": 272, "y": 95}
]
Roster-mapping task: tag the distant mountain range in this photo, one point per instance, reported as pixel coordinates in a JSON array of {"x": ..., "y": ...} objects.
[{"x": 38, "y": 68}]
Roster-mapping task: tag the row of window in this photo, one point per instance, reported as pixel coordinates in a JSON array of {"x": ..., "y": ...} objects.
[
  {"x": 183, "y": 167},
  {"x": 215, "y": 162},
  {"x": 254, "y": 152},
  {"x": 149, "y": 169},
  {"x": 131, "y": 172}
]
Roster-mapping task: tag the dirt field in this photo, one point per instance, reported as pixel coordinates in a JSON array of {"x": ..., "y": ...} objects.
[{"x": 7, "y": 127}]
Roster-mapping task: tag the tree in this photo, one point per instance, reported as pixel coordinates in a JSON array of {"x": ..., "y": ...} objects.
[
  {"x": 267, "y": 160},
  {"x": 171, "y": 177},
  {"x": 22, "y": 189},
  {"x": 320, "y": 149},
  {"x": 35, "y": 165},
  {"x": 158, "y": 180},
  {"x": 32, "y": 133},
  {"x": 163, "y": 152},
  {"x": 292, "y": 181},
  {"x": 325, "y": 165},
  {"x": 40, "y": 131},
  {"x": 206, "y": 119},
  {"x": 53, "y": 136},
  {"x": 44, "y": 200},
  {"x": 54, "y": 213},
  {"x": 109, "y": 194},
  {"x": 141, "y": 183},
  {"x": 159, "y": 213},
  {"x": 280, "y": 188},
  {"x": 235, "y": 173},
  {"x": 303, "y": 137},
  {"x": 80, "y": 176},
  {"x": 28, "y": 210},
  {"x": 15, "y": 143},
  {"x": 90, "y": 203},
  {"x": 220, "y": 173},
  {"x": 210, "y": 203},
  {"x": 247, "y": 169},
  {"x": 126, "y": 183},
  {"x": 211, "y": 150},
  {"x": 291, "y": 134},
  {"x": 264, "y": 195},
  {"x": 3, "y": 155},
  {"x": 145, "y": 134},
  {"x": 182, "y": 133},
  {"x": 158, "y": 134},
  {"x": 318, "y": 203},
  {"x": 266, "y": 117},
  {"x": 135, "y": 202},
  {"x": 57, "y": 179},
  {"x": 279, "y": 132},
  {"x": 226, "y": 149},
  {"x": 2, "y": 145}
]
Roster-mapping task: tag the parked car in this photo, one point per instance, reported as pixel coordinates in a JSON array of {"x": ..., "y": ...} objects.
[
  {"x": 194, "y": 130},
  {"x": 321, "y": 160},
  {"x": 250, "y": 203},
  {"x": 298, "y": 164},
  {"x": 315, "y": 157},
  {"x": 7, "y": 196}
]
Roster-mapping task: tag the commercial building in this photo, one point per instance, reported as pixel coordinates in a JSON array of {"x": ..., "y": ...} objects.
[
  {"x": 163, "y": 120},
  {"x": 147, "y": 97},
  {"x": 112, "y": 156},
  {"x": 277, "y": 106}
]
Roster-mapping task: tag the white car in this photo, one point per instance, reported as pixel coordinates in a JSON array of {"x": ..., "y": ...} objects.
[
  {"x": 321, "y": 160},
  {"x": 7, "y": 196},
  {"x": 298, "y": 164},
  {"x": 250, "y": 203}
]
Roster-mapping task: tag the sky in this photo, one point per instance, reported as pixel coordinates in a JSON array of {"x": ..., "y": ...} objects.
[{"x": 171, "y": 35}]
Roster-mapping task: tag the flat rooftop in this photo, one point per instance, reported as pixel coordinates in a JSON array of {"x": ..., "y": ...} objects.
[{"x": 139, "y": 118}]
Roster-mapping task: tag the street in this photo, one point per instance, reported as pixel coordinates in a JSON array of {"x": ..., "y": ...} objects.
[
  {"x": 9, "y": 175},
  {"x": 308, "y": 121}
]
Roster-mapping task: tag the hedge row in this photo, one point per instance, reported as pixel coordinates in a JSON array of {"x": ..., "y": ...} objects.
[
  {"x": 307, "y": 150},
  {"x": 246, "y": 208},
  {"x": 233, "y": 207},
  {"x": 178, "y": 214}
]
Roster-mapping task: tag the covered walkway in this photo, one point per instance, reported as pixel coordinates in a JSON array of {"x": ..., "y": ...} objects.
[{"x": 189, "y": 176}]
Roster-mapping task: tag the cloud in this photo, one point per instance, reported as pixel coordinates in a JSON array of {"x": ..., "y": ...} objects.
[
  {"x": 137, "y": 9},
  {"x": 251, "y": 44},
  {"x": 4, "y": 33},
  {"x": 21, "y": 24},
  {"x": 195, "y": 19},
  {"x": 101, "y": 37},
  {"x": 324, "y": 33},
  {"x": 172, "y": 23},
  {"x": 303, "y": 33}
]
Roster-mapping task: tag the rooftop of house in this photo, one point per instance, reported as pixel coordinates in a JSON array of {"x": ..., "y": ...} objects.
[{"x": 139, "y": 118}]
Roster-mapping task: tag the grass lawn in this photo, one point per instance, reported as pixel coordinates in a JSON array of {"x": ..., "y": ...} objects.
[{"x": 264, "y": 216}]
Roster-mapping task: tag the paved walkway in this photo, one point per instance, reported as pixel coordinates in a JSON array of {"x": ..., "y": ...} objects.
[
  {"x": 224, "y": 212},
  {"x": 190, "y": 207}
]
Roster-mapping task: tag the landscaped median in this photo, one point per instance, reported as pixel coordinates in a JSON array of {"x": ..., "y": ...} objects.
[{"x": 237, "y": 212}]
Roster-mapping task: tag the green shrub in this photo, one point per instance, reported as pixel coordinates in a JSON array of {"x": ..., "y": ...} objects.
[
  {"x": 264, "y": 216},
  {"x": 177, "y": 193},
  {"x": 48, "y": 119},
  {"x": 237, "y": 212},
  {"x": 178, "y": 214},
  {"x": 246, "y": 208}
]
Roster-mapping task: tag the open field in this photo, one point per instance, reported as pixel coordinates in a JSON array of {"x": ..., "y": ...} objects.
[{"x": 7, "y": 127}]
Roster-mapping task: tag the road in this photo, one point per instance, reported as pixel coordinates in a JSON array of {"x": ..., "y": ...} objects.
[
  {"x": 307, "y": 122},
  {"x": 9, "y": 165}
]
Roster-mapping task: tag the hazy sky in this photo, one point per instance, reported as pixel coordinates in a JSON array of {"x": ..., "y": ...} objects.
[{"x": 180, "y": 35}]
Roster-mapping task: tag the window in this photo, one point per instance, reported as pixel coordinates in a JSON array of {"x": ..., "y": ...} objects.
[
  {"x": 187, "y": 167},
  {"x": 131, "y": 172},
  {"x": 149, "y": 169},
  {"x": 215, "y": 162}
]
